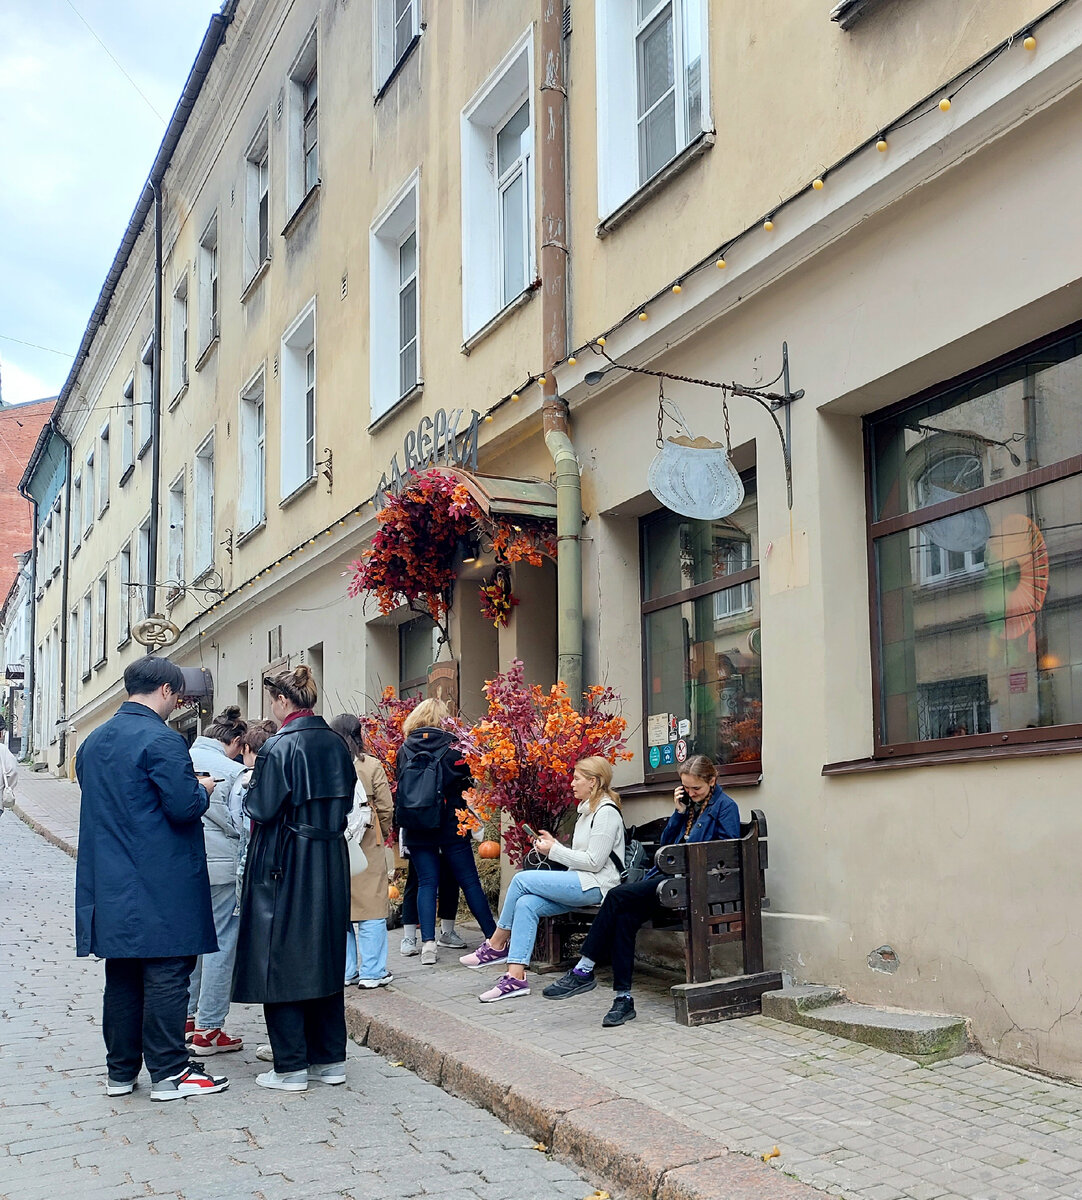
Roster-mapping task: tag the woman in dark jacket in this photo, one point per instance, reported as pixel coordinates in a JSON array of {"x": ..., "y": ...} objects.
[
  {"x": 441, "y": 841},
  {"x": 294, "y": 910}
]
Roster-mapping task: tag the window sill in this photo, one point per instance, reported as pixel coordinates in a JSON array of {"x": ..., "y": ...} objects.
[
  {"x": 692, "y": 151},
  {"x": 308, "y": 484},
  {"x": 396, "y": 68},
  {"x": 100, "y": 663},
  {"x": 256, "y": 279},
  {"x": 126, "y": 641},
  {"x": 200, "y": 577},
  {"x": 206, "y": 352},
  {"x": 859, "y": 766},
  {"x": 77, "y": 548},
  {"x": 103, "y": 510},
  {"x": 86, "y": 676},
  {"x": 664, "y": 786},
  {"x": 129, "y": 471},
  {"x": 88, "y": 531},
  {"x": 385, "y": 417},
  {"x": 55, "y": 571},
  {"x": 145, "y": 447},
  {"x": 520, "y": 301},
  {"x": 308, "y": 202},
  {"x": 250, "y": 533},
  {"x": 178, "y": 397},
  {"x": 45, "y": 587}
]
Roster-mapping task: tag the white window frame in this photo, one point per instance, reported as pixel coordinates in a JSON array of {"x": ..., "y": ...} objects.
[
  {"x": 174, "y": 537},
  {"x": 203, "y": 508},
  {"x": 76, "y": 510},
  {"x": 253, "y": 453},
  {"x": 142, "y": 566},
  {"x": 73, "y": 658},
  {"x": 396, "y": 24},
  {"x": 394, "y": 226},
  {"x": 499, "y": 98},
  {"x": 209, "y": 290},
  {"x": 256, "y": 191},
  {"x": 619, "y": 175},
  {"x": 123, "y": 608},
  {"x": 90, "y": 495},
  {"x": 145, "y": 398},
  {"x": 180, "y": 336},
  {"x": 103, "y": 469},
  {"x": 127, "y": 425},
  {"x": 87, "y": 644},
  {"x": 298, "y": 416},
  {"x": 101, "y": 616},
  {"x": 303, "y": 129}
]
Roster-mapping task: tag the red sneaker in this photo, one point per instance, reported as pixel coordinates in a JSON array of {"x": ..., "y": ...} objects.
[
  {"x": 189, "y": 1029},
  {"x": 213, "y": 1041}
]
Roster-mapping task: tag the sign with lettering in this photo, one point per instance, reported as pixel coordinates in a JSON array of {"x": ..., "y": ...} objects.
[{"x": 438, "y": 438}]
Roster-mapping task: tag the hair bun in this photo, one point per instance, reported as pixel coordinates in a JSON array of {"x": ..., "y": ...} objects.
[
  {"x": 302, "y": 675},
  {"x": 232, "y": 713}
]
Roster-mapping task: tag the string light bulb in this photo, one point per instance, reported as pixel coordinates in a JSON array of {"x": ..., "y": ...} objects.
[
  {"x": 1030, "y": 42},
  {"x": 677, "y": 289},
  {"x": 540, "y": 381},
  {"x": 945, "y": 104},
  {"x": 881, "y": 145},
  {"x": 572, "y": 361},
  {"x": 644, "y": 316},
  {"x": 488, "y": 418},
  {"x": 514, "y": 397},
  {"x": 817, "y": 184},
  {"x": 601, "y": 341},
  {"x": 720, "y": 264},
  {"x": 768, "y": 225}
]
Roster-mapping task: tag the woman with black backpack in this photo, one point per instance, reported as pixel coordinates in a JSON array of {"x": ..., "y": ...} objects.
[{"x": 431, "y": 777}]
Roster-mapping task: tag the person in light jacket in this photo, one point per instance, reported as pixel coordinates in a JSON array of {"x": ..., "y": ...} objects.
[
  {"x": 142, "y": 897},
  {"x": 294, "y": 906},
  {"x": 702, "y": 812},
  {"x": 215, "y": 753},
  {"x": 368, "y": 898},
  {"x": 594, "y": 861}
]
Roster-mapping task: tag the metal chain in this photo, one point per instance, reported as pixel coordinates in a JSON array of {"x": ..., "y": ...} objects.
[
  {"x": 660, "y": 440},
  {"x": 725, "y": 414}
]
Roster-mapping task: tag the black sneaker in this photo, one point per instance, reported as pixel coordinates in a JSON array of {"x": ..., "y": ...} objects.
[
  {"x": 570, "y": 985},
  {"x": 623, "y": 1009}
]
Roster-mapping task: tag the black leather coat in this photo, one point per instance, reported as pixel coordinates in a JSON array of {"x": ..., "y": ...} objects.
[{"x": 294, "y": 910}]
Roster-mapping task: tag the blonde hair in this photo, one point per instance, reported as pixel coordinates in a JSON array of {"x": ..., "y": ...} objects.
[
  {"x": 600, "y": 771},
  {"x": 297, "y": 686},
  {"x": 431, "y": 712}
]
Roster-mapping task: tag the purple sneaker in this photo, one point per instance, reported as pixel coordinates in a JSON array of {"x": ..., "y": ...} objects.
[
  {"x": 506, "y": 988},
  {"x": 482, "y": 956}
]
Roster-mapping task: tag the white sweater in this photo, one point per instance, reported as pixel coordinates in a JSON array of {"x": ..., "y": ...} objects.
[{"x": 596, "y": 836}]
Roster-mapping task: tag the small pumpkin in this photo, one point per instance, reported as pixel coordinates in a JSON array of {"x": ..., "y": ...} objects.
[
  {"x": 392, "y": 892},
  {"x": 489, "y": 850}
]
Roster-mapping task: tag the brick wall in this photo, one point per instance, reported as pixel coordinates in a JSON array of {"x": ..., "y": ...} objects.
[{"x": 19, "y": 428}]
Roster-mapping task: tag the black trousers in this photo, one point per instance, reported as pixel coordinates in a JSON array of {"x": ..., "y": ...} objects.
[
  {"x": 446, "y": 897},
  {"x": 612, "y": 935},
  {"x": 143, "y": 1015},
  {"x": 306, "y": 1033}
]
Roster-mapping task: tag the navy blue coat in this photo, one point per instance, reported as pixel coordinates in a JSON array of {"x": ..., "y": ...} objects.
[
  {"x": 141, "y": 886},
  {"x": 719, "y": 821}
]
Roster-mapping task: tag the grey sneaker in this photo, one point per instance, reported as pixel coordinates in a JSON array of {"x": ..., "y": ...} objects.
[
  {"x": 192, "y": 1081},
  {"x": 264, "y": 1053},
  {"x": 376, "y": 983},
  {"x": 428, "y": 954},
  {"x": 117, "y": 1087},
  {"x": 332, "y": 1073},
  {"x": 289, "y": 1081},
  {"x": 408, "y": 947},
  {"x": 451, "y": 940}
]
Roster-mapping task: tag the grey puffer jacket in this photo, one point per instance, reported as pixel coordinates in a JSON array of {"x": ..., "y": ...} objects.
[{"x": 221, "y": 837}]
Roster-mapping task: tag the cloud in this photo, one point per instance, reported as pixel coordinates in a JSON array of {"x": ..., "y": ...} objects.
[{"x": 19, "y": 387}]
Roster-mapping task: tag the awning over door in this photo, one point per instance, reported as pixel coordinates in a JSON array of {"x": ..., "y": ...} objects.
[{"x": 506, "y": 497}]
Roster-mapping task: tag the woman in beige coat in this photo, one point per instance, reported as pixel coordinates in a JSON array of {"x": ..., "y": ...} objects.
[{"x": 368, "y": 891}]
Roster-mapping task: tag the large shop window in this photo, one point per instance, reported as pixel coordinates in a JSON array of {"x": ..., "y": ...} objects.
[
  {"x": 702, "y": 660},
  {"x": 976, "y": 558},
  {"x": 417, "y": 650}
]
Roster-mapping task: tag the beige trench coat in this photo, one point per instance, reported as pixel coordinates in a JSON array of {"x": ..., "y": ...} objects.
[{"x": 368, "y": 891}]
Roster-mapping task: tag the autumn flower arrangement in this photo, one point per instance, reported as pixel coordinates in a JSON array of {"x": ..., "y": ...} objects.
[
  {"x": 497, "y": 599},
  {"x": 382, "y": 729},
  {"x": 522, "y": 754}
]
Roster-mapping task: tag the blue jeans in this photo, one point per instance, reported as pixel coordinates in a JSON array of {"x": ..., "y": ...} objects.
[
  {"x": 536, "y": 894},
  {"x": 372, "y": 936},
  {"x": 458, "y": 854},
  {"x": 211, "y": 986}
]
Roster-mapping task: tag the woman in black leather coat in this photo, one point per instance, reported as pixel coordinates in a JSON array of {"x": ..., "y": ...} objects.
[{"x": 294, "y": 910}]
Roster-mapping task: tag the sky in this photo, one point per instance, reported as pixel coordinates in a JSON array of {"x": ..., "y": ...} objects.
[{"x": 77, "y": 140}]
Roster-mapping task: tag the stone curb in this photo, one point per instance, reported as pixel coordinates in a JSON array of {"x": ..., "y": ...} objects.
[
  {"x": 47, "y": 834},
  {"x": 625, "y": 1145}
]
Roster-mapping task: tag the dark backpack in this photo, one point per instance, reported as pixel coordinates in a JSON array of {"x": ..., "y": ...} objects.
[
  {"x": 633, "y": 865},
  {"x": 419, "y": 796}
]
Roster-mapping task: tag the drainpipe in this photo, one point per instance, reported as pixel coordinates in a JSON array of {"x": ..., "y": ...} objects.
[
  {"x": 64, "y": 625},
  {"x": 554, "y": 411},
  {"x": 31, "y": 681},
  {"x": 156, "y": 406}
]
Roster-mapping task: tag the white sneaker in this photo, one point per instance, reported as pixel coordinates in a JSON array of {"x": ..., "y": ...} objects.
[
  {"x": 264, "y": 1053},
  {"x": 428, "y": 954},
  {"x": 192, "y": 1081},
  {"x": 375, "y": 983},
  {"x": 408, "y": 947},
  {"x": 451, "y": 940},
  {"x": 290, "y": 1081},
  {"x": 332, "y": 1073}
]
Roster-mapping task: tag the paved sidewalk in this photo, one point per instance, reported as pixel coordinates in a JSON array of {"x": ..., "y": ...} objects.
[
  {"x": 384, "y": 1133},
  {"x": 853, "y": 1121}
]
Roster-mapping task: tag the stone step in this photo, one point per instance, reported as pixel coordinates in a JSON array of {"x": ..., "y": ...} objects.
[{"x": 923, "y": 1037}]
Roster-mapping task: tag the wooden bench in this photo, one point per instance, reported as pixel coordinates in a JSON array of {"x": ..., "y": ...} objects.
[{"x": 716, "y": 891}]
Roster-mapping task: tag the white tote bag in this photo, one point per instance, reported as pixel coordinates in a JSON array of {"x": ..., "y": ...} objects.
[{"x": 359, "y": 819}]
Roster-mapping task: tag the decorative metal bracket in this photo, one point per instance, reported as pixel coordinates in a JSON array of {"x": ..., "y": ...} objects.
[
  {"x": 227, "y": 543},
  {"x": 327, "y": 465}
]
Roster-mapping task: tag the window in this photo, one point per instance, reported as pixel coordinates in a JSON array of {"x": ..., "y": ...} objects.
[
  {"x": 257, "y": 205},
  {"x": 498, "y": 191},
  {"x": 652, "y": 89},
  {"x": 101, "y": 618},
  {"x": 87, "y": 643},
  {"x": 143, "y": 544},
  {"x": 123, "y": 607},
  {"x": 299, "y": 402},
  {"x": 76, "y": 510},
  {"x": 174, "y": 542},
  {"x": 208, "y": 284},
  {"x": 144, "y": 408},
  {"x": 89, "y": 495},
  {"x": 103, "y": 469},
  {"x": 397, "y": 29},
  {"x": 976, "y": 522},
  {"x": 73, "y": 658},
  {"x": 394, "y": 273},
  {"x": 417, "y": 650},
  {"x": 127, "y": 426},
  {"x": 203, "y": 508},
  {"x": 253, "y": 456},
  {"x": 180, "y": 337},
  {"x": 303, "y": 132},
  {"x": 701, "y": 640}
]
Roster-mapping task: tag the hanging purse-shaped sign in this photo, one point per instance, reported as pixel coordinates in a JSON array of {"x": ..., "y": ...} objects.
[{"x": 696, "y": 478}]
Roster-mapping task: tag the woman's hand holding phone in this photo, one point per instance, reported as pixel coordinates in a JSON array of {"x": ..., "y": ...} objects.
[
  {"x": 680, "y": 799},
  {"x": 545, "y": 841}
]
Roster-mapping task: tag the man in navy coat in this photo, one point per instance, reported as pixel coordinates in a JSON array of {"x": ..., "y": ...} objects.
[{"x": 142, "y": 895}]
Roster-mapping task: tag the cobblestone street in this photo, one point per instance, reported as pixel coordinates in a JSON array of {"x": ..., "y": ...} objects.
[{"x": 385, "y": 1133}]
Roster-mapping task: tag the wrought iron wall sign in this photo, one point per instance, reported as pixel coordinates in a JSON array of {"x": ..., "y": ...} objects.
[
  {"x": 155, "y": 631},
  {"x": 436, "y": 439}
]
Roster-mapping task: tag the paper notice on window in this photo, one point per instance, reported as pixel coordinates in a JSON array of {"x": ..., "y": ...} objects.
[{"x": 657, "y": 729}]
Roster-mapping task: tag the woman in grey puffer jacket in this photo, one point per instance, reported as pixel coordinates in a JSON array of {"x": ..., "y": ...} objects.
[{"x": 217, "y": 753}]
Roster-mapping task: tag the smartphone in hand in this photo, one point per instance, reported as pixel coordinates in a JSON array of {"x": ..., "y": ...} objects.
[
  {"x": 529, "y": 832},
  {"x": 681, "y": 797}
]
